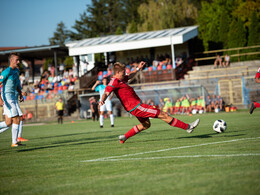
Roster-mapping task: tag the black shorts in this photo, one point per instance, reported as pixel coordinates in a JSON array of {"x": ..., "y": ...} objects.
[{"x": 60, "y": 112}]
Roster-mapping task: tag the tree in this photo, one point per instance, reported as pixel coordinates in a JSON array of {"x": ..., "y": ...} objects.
[
  {"x": 237, "y": 34},
  {"x": 254, "y": 30},
  {"x": 212, "y": 22},
  {"x": 163, "y": 14},
  {"x": 60, "y": 36},
  {"x": 102, "y": 17},
  {"x": 224, "y": 28}
]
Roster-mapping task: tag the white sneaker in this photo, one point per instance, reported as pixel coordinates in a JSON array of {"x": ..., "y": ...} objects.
[
  {"x": 122, "y": 139},
  {"x": 193, "y": 125}
]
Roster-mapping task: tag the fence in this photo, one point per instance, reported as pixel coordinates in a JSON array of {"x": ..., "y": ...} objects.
[
  {"x": 153, "y": 93},
  {"x": 240, "y": 52}
]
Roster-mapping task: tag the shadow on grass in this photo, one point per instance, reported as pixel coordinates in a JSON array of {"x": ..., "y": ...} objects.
[
  {"x": 210, "y": 135},
  {"x": 71, "y": 143},
  {"x": 72, "y": 134}
]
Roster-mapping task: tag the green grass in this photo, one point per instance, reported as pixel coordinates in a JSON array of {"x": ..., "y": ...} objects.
[{"x": 52, "y": 161}]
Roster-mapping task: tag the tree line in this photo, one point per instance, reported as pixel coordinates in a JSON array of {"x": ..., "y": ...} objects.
[{"x": 222, "y": 23}]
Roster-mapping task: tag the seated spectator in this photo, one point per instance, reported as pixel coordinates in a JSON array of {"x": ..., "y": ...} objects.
[
  {"x": 177, "y": 106},
  {"x": 218, "y": 61},
  {"x": 168, "y": 106},
  {"x": 178, "y": 61},
  {"x": 215, "y": 103},
  {"x": 185, "y": 104},
  {"x": 201, "y": 104},
  {"x": 22, "y": 79},
  {"x": 221, "y": 102},
  {"x": 226, "y": 62},
  {"x": 208, "y": 104},
  {"x": 71, "y": 88},
  {"x": 161, "y": 104}
]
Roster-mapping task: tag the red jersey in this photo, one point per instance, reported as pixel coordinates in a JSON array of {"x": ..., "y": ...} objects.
[
  {"x": 257, "y": 76},
  {"x": 124, "y": 93}
]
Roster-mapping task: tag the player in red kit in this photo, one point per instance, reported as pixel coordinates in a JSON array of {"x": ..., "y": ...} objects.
[
  {"x": 133, "y": 104},
  {"x": 255, "y": 104}
]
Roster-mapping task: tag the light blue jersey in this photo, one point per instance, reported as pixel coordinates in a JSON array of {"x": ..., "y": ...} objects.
[
  {"x": 10, "y": 79},
  {"x": 101, "y": 90}
]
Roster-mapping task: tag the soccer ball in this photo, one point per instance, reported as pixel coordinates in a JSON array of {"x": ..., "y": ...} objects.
[{"x": 219, "y": 126}]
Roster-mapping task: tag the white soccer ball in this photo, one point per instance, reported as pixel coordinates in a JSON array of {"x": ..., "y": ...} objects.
[{"x": 219, "y": 126}]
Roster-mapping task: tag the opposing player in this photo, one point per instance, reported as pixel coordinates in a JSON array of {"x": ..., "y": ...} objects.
[
  {"x": 20, "y": 129},
  {"x": 108, "y": 104},
  {"x": 10, "y": 80},
  {"x": 255, "y": 104},
  {"x": 133, "y": 104}
]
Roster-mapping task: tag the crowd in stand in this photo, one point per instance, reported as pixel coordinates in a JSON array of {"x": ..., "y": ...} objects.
[
  {"x": 49, "y": 84},
  {"x": 161, "y": 62},
  {"x": 187, "y": 105}
]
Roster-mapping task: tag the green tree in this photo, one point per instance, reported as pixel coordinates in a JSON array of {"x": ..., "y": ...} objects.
[
  {"x": 102, "y": 17},
  {"x": 163, "y": 14},
  {"x": 212, "y": 22},
  {"x": 224, "y": 28},
  {"x": 60, "y": 36},
  {"x": 237, "y": 34},
  {"x": 254, "y": 30}
]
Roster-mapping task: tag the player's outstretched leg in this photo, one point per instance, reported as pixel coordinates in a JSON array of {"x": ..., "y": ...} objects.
[
  {"x": 177, "y": 123},
  {"x": 253, "y": 106},
  {"x": 136, "y": 129}
]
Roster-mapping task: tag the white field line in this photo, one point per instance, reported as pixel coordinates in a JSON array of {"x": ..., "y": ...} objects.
[
  {"x": 167, "y": 149},
  {"x": 167, "y": 157}
]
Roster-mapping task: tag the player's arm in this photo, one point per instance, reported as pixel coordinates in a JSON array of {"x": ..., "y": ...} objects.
[
  {"x": 104, "y": 97},
  {"x": 1, "y": 101},
  {"x": 139, "y": 68},
  {"x": 95, "y": 85},
  {"x": 20, "y": 93},
  {"x": 257, "y": 80},
  {"x": 111, "y": 95}
]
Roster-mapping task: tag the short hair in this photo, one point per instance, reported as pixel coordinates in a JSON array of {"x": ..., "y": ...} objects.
[
  {"x": 13, "y": 54},
  {"x": 118, "y": 67}
]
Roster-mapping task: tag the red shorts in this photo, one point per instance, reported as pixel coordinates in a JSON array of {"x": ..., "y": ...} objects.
[{"x": 145, "y": 111}]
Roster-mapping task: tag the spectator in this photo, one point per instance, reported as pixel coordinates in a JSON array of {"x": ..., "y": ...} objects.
[
  {"x": 218, "y": 61},
  {"x": 94, "y": 108},
  {"x": 178, "y": 61},
  {"x": 61, "y": 69},
  {"x": 22, "y": 79},
  {"x": 161, "y": 104},
  {"x": 221, "y": 102},
  {"x": 226, "y": 62},
  {"x": 208, "y": 104}
]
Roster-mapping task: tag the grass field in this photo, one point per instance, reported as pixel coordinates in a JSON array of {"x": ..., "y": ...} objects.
[{"x": 81, "y": 158}]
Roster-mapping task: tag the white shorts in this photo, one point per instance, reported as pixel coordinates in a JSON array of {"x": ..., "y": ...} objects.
[
  {"x": 106, "y": 107},
  {"x": 12, "y": 108}
]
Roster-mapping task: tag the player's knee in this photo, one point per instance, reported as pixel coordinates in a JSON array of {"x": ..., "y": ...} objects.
[
  {"x": 8, "y": 123},
  {"x": 146, "y": 125},
  {"x": 163, "y": 115}
]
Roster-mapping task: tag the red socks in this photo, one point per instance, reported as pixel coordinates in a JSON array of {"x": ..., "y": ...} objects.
[
  {"x": 257, "y": 105},
  {"x": 132, "y": 132},
  {"x": 177, "y": 123}
]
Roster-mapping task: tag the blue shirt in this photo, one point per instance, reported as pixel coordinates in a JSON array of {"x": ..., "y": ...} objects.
[
  {"x": 101, "y": 90},
  {"x": 10, "y": 79}
]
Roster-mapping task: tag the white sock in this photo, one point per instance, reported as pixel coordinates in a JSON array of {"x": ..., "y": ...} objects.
[
  {"x": 20, "y": 129},
  {"x": 112, "y": 119},
  {"x": 4, "y": 129},
  {"x": 101, "y": 120},
  {"x": 2, "y": 125},
  {"x": 14, "y": 133}
]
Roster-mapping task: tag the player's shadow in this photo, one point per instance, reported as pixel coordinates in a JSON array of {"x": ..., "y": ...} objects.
[
  {"x": 67, "y": 135},
  {"x": 211, "y": 135},
  {"x": 71, "y": 143}
]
